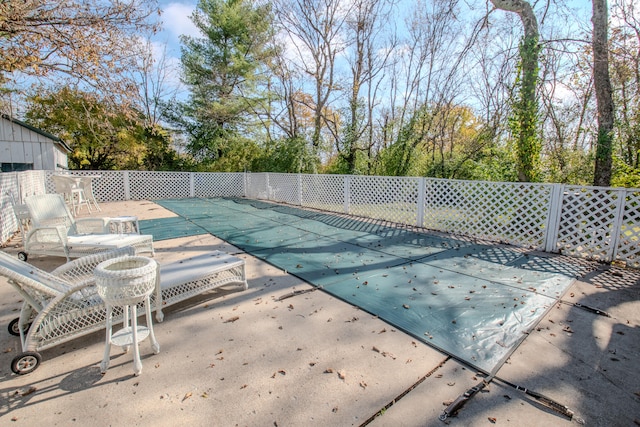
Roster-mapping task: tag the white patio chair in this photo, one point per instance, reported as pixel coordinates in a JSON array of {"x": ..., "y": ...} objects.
[
  {"x": 57, "y": 306},
  {"x": 21, "y": 214},
  {"x": 73, "y": 191},
  {"x": 64, "y": 304},
  {"x": 56, "y": 232}
]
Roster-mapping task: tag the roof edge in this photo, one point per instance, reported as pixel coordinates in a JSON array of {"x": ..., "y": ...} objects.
[{"x": 36, "y": 130}]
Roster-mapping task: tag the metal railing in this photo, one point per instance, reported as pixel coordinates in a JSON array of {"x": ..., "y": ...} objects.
[{"x": 590, "y": 222}]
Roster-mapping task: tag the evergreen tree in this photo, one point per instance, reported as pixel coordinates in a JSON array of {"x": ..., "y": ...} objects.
[{"x": 224, "y": 70}]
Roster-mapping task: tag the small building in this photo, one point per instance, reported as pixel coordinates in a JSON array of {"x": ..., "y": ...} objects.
[{"x": 24, "y": 147}]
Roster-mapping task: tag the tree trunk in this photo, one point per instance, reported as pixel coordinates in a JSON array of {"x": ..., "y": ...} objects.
[
  {"x": 526, "y": 107},
  {"x": 604, "y": 99}
]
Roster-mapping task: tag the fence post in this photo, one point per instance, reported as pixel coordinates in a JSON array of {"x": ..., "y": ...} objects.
[
  {"x": 192, "y": 184},
  {"x": 126, "y": 185},
  {"x": 300, "y": 189},
  {"x": 553, "y": 217},
  {"x": 347, "y": 193},
  {"x": 617, "y": 227},
  {"x": 421, "y": 202}
]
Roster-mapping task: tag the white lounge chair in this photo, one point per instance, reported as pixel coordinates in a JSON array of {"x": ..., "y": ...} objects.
[
  {"x": 56, "y": 232},
  {"x": 64, "y": 304}
]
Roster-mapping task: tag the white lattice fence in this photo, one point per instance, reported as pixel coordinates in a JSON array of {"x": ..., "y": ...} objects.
[
  {"x": 146, "y": 185},
  {"x": 588, "y": 222},
  {"x": 284, "y": 188},
  {"x": 628, "y": 248},
  {"x": 387, "y": 198},
  {"x": 31, "y": 182},
  {"x": 326, "y": 192},
  {"x": 16, "y": 185},
  {"x": 8, "y": 188},
  {"x": 219, "y": 184},
  {"x": 515, "y": 213},
  {"x": 257, "y": 185},
  {"x": 108, "y": 186}
]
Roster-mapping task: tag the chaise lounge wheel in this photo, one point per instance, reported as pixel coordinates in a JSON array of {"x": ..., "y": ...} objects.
[
  {"x": 22, "y": 256},
  {"x": 14, "y": 328},
  {"x": 26, "y": 362}
]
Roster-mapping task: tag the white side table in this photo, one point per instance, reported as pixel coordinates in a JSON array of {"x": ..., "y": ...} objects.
[
  {"x": 124, "y": 225},
  {"x": 125, "y": 282}
]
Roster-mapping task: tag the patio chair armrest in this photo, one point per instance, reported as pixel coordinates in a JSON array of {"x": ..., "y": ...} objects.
[
  {"x": 92, "y": 225},
  {"x": 80, "y": 271},
  {"x": 57, "y": 233},
  {"x": 76, "y": 312}
]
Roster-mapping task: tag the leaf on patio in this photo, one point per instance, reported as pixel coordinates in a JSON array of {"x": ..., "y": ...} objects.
[
  {"x": 187, "y": 396},
  {"x": 231, "y": 319},
  {"x": 342, "y": 374},
  {"x": 28, "y": 392}
]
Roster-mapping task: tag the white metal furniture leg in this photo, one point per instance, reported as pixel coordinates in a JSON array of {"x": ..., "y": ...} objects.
[{"x": 104, "y": 365}]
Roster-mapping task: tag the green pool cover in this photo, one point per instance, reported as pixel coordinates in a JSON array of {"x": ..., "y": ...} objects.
[{"x": 475, "y": 302}]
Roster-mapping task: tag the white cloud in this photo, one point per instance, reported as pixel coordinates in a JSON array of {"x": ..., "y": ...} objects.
[{"x": 176, "y": 20}]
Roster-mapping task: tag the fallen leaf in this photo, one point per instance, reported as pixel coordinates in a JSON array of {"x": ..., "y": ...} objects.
[
  {"x": 363, "y": 384},
  {"x": 232, "y": 319},
  {"x": 204, "y": 395},
  {"x": 492, "y": 420},
  {"x": 186, "y": 396},
  {"x": 328, "y": 371},
  {"x": 28, "y": 392},
  {"x": 405, "y": 306},
  {"x": 244, "y": 386},
  {"x": 342, "y": 374}
]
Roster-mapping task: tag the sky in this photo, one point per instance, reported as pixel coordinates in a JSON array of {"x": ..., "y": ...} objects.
[{"x": 176, "y": 21}]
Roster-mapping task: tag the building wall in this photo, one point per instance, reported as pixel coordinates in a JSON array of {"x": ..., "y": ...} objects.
[{"x": 21, "y": 145}]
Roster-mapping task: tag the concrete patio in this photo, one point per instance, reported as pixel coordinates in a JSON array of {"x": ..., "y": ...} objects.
[{"x": 249, "y": 359}]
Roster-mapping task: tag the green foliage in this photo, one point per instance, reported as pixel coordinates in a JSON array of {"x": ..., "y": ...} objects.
[
  {"x": 568, "y": 166},
  {"x": 524, "y": 122},
  {"x": 287, "y": 155},
  {"x": 236, "y": 154},
  {"x": 101, "y": 135},
  {"x": 224, "y": 71},
  {"x": 624, "y": 175}
]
